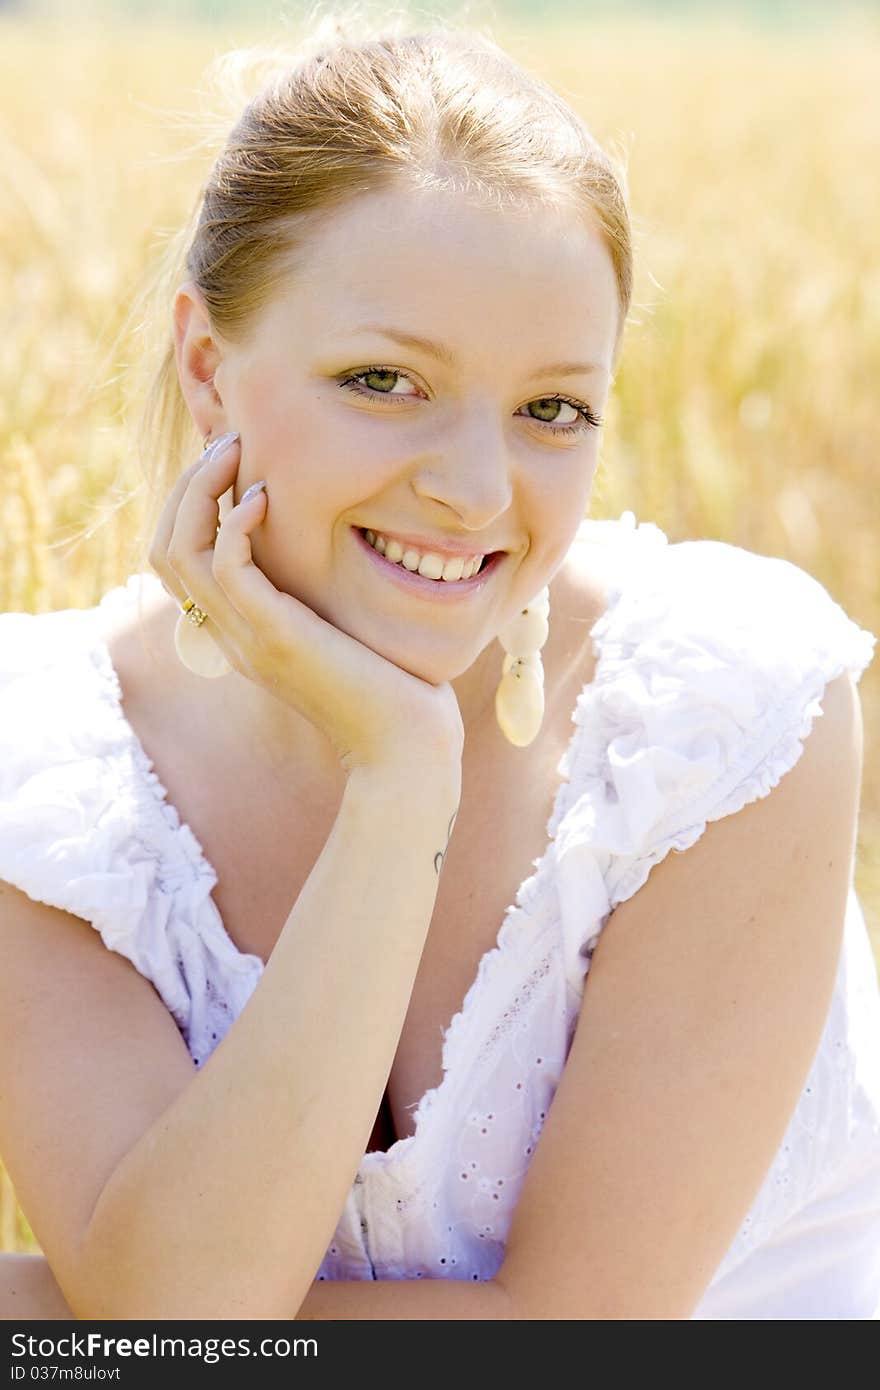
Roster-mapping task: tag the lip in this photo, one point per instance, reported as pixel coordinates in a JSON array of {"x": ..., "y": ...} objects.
[
  {"x": 447, "y": 550},
  {"x": 435, "y": 590}
]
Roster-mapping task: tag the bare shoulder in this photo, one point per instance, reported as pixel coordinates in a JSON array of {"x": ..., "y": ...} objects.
[
  {"x": 140, "y": 640},
  {"x": 806, "y": 823},
  {"x": 89, "y": 1057},
  {"x": 834, "y": 747},
  {"x": 814, "y": 805}
]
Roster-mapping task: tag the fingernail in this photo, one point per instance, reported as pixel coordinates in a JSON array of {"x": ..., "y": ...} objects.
[
  {"x": 251, "y": 492},
  {"x": 219, "y": 446}
]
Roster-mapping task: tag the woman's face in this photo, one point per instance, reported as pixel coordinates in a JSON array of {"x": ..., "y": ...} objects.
[{"x": 462, "y": 446}]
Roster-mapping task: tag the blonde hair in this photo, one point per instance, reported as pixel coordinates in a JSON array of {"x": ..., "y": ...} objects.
[{"x": 440, "y": 108}]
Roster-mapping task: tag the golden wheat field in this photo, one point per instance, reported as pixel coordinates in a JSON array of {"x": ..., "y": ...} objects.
[{"x": 745, "y": 408}]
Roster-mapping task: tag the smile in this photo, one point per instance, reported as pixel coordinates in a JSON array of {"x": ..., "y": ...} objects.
[
  {"x": 429, "y": 564},
  {"x": 440, "y": 589}
]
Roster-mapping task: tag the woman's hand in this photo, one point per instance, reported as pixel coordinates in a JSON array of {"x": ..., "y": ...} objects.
[{"x": 372, "y": 712}]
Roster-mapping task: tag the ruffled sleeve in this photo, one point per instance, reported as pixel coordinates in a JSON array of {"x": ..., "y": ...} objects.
[
  {"x": 711, "y": 662},
  {"x": 85, "y": 825}
]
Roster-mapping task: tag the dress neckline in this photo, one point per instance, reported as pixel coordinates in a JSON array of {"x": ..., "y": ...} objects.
[{"x": 517, "y": 917}]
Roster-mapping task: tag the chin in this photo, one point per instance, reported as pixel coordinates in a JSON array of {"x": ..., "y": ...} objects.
[
  {"x": 427, "y": 668},
  {"x": 421, "y": 657},
  {"x": 431, "y": 655}
]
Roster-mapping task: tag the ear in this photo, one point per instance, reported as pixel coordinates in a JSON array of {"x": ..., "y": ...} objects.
[{"x": 198, "y": 356}]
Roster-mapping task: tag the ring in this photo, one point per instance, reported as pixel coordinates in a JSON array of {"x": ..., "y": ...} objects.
[{"x": 193, "y": 612}]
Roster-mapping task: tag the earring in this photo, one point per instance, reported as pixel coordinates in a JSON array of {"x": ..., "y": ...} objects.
[
  {"x": 196, "y": 648},
  {"x": 519, "y": 699}
]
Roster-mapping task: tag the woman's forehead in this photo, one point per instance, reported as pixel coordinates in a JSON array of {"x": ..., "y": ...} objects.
[
  {"x": 401, "y": 217},
  {"x": 442, "y": 268}
]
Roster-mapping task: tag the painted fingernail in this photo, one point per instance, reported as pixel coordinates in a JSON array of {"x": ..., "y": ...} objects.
[
  {"x": 219, "y": 446},
  {"x": 251, "y": 492}
]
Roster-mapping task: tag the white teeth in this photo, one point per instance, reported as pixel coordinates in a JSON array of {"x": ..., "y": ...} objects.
[
  {"x": 453, "y": 569},
  {"x": 429, "y": 565}
]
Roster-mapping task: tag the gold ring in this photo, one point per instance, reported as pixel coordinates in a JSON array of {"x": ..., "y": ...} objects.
[{"x": 193, "y": 612}]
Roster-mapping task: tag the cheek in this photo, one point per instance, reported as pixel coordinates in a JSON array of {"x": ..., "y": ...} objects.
[
  {"x": 329, "y": 460},
  {"x": 320, "y": 463},
  {"x": 580, "y": 485},
  {"x": 280, "y": 426},
  {"x": 559, "y": 502}
]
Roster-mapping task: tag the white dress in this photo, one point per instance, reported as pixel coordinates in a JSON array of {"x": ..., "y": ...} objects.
[{"x": 711, "y": 662}]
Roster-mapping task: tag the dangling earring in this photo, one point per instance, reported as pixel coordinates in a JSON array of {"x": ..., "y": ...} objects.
[
  {"x": 519, "y": 699},
  {"x": 195, "y": 647}
]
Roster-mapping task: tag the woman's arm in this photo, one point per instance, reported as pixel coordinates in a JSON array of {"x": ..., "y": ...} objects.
[
  {"x": 29, "y": 1292},
  {"x": 396, "y": 1300},
  {"x": 225, "y": 1206},
  {"x": 704, "y": 1006}
]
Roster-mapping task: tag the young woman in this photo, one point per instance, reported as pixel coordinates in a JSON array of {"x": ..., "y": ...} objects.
[{"x": 311, "y": 832}]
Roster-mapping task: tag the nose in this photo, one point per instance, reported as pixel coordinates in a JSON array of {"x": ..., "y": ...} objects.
[{"x": 471, "y": 472}]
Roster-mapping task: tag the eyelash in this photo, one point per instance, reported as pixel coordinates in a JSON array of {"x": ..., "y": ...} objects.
[{"x": 590, "y": 421}]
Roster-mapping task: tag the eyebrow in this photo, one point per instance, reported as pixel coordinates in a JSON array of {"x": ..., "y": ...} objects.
[{"x": 444, "y": 355}]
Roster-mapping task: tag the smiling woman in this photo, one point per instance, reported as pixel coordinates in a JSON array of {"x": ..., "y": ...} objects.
[
  {"x": 288, "y": 1027},
  {"x": 391, "y": 449}
]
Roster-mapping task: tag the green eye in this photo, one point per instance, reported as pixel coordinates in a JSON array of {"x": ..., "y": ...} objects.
[
  {"x": 549, "y": 403},
  {"x": 383, "y": 379}
]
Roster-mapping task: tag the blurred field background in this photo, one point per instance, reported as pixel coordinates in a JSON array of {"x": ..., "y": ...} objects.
[{"x": 745, "y": 408}]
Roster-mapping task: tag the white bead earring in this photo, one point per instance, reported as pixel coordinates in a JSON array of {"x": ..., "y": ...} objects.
[{"x": 519, "y": 699}]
